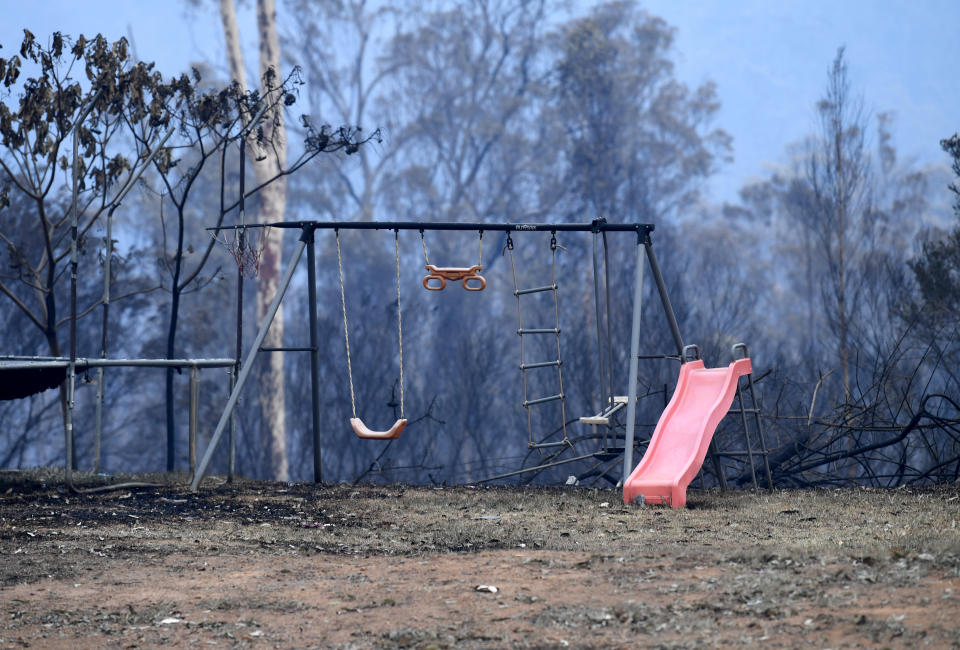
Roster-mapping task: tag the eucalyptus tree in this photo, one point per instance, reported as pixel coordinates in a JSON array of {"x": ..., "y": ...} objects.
[
  {"x": 633, "y": 141},
  {"x": 842, "y": 216},
  {"x": 267, "y": 168},
  {"x": 452, "y": 85},
  {"x": 207, "y": 123},
  {"x": 937, "y": 269},
  {"x": 83, "y": 91},
  {"x": 122, "y": 113}
]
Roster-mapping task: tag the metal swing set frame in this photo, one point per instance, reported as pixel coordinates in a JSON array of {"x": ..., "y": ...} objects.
[{"x": 306, "y": 242}]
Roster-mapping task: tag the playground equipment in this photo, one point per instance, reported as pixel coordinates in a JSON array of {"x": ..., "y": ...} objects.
[
  {"x": 553, "y": 363},
  {"x": 307, "y": 243},
  {"x": 453, "y": 273},
  {"x": 611, "y": 406},
  {"x": 685, "y": 430},
  {"x": 359, "y": 427}
]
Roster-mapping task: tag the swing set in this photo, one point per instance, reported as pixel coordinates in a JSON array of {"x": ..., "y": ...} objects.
[
  {"x": 436, "y": 279},
  {"x": 356, "y": 423},
  {"x": 442, "y": 274}
]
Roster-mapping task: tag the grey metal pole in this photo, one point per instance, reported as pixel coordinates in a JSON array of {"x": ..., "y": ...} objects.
[
  {"x": 72, "y": 368},
  {"x": 763, "y": 444},
  {"x": 74, "y": 261},
  {"x": 606, "y": 401},
  {"x": 101, "y": 372},
  {"x": 606, "y": 289},
  {"x": 194, "y": 399},
  {"x": 238, "y": 354},
  {"x": 746, "y": 435},
  {"x": 665, "y": 298},
  {"x": 107, "y": 273},
  {"x": 634, "y": 354},
  {"x": 247, "y": 366},
  {"x": 232, "y": 433},
  {"x": 68, "y": 423},
  {"x": 308, "y": 238}
]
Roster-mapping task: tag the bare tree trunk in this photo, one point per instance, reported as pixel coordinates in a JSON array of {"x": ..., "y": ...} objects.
[
  {"x": 273, "y": 199},
  {"x": 841, "y": 205},
  {"x": 811, "y": 317}
]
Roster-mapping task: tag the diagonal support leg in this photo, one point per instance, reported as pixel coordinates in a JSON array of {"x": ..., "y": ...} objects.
[{"x": 247, "y": 365}]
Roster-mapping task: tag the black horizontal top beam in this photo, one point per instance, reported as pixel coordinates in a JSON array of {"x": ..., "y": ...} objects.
[{"x": 598, "y": 225}]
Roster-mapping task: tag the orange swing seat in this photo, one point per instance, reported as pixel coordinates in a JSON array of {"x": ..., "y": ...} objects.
[{"x": 363, "y": 431}]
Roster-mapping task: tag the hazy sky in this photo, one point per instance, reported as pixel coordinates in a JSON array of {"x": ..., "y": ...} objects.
[{"x": 769, "y": 60}]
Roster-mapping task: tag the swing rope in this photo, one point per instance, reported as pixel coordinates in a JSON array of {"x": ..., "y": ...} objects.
[
  {"x": 423, "y": 242},
  {"x": 426, "y": 258},
  {"x": 359, "y": 428},
  {"x": 346, "y": 331}
]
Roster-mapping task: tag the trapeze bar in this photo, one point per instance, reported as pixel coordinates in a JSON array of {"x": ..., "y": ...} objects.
[
  {"x": 552, "y": 330},
  {"x": 596, "y": 226}
]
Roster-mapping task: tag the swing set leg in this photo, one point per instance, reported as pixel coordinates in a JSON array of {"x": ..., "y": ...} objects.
[{"x": 247, "y": 366}]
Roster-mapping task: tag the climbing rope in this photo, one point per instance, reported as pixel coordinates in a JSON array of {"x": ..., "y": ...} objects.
[
  {"x": 523, "y": 374},
  {"x": 508, "y": 248},
  {"x": 346, "y": 329},
  {"x": 556, "y": 311}
]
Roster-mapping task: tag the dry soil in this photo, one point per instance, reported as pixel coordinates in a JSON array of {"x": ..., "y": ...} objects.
[{"x": 257, "y": 564}]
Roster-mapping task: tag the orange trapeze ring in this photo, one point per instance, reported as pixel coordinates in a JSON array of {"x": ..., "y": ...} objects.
[{"x": 454, "y": 273}]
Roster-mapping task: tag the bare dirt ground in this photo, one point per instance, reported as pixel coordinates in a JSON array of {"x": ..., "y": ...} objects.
[{"x": 257, "y": 564}]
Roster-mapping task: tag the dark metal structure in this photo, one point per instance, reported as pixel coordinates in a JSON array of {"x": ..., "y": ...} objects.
[{"x": 644, "y": 247}]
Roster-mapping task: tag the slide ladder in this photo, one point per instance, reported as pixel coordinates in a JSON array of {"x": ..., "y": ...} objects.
[
  {"x": 751, "y": 409},
  {"x": 684, "y": 433}
]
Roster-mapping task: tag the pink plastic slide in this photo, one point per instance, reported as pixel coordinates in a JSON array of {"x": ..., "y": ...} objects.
[{"x": 684, "y": 432}]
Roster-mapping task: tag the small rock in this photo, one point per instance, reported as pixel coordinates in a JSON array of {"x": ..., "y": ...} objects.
[{"x": 490, "y": 589}]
